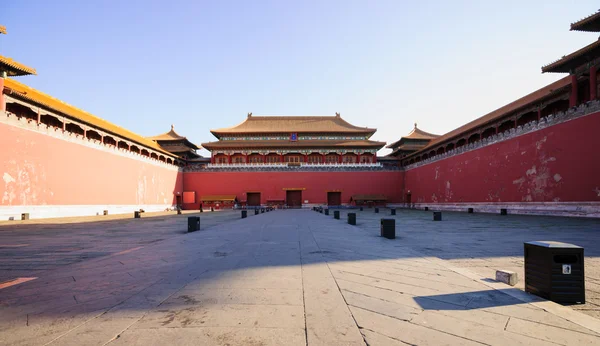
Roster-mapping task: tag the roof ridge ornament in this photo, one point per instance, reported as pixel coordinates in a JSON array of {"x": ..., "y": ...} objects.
[
  {"x": 337, "y": 114},
  {"x": 250, "y": 115},
  {"x": 172, "y": 127}
]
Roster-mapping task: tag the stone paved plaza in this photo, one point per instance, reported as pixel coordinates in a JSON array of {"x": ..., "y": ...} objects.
[{"x": 287, "y": 277}]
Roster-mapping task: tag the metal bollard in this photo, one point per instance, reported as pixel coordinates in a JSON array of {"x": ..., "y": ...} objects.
[
  {"x": 388, "y": 228},
  {"x": 393, "y": 210},
  {"x": 376, "y": 210},
  {"x": 326, "y": 211},
  {"x": 336, "y": 214},
  {"x": 244, "y": 214},
  {"x": 352, "y": 219}
]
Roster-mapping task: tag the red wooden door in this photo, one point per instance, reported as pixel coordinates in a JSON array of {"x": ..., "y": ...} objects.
[{"x": 293, "y": 199}]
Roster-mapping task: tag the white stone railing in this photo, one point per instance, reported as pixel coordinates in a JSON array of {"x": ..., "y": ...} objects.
[{"x": 547, "y": 121}]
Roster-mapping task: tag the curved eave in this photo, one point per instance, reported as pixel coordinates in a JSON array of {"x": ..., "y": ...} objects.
[
  {"x": 574, "y": 60},
  {"x": 13, "y": 68},
  {"x": 590, "y": 23},
  {"x": 367, "y": 132},
  {"x": 295, "y": 145}
]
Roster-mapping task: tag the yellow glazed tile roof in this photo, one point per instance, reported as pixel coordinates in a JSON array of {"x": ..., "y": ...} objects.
[
  {"x": 26, "y": 92},
  {"x": 2, "y": 29},
  {"x": 14, "y": 68},
  {"x": 288, "y": 124}
]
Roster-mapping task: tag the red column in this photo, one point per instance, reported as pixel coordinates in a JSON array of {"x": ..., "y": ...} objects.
[
  {"x": 305, "y": 158},
  {"x": 212, "y": 158},
  {"x": 539, "y": 116},
  {"x": 593, "y": 84},
  {"x": 573, "y": 98},
  {"x": 245, "y": 158},
  {"x": 264, "y": 158},
  {"x": 323, "y": 159},
  {"x": 340, "y": 158},
  {"x": 375, "y": 158},
  {"x": 357, "y": 158},
  {"x": 2, "y": 104},
  {"x": 229, "y": 158}
]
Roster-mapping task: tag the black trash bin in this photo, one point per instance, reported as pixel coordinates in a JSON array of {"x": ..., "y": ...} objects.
[
  {"x": 555, "y": 271},
  {"x": 470, "y": 210},
  {"x": 503, "y": 211},
  {"x": 25, "y": 216},
  {"x": 388, "y": 228},
  {"x": 262, "y": 210},
  {"x": 193, "y": 223},
  {"x": 437, "y": 216},
  {"x": 361, "y": 208},
  {"x": 136, "y": 214},
  {"x": 256, "y": 211},
  {"x": 393, "y": 211},
  {"x": 336, "y": 214},
  {"x": 326, "y": 211},
  {"x": 376, "y": 210},
  {"x": 426, "y": 208},
  {"x": 244, "y": 214},
  {"x": 352, "y": 218}
]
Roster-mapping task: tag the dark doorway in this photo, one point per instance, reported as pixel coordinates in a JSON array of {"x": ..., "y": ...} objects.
[
  {"x": 293, "y": 198},
  {"x": 334, "y": 198},
  {"x": 253, "y": 199}
]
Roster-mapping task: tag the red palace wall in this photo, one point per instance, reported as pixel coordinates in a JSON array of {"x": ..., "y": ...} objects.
[
  {"x": 40, "y": 170},
  {"x": 271, "y": 185},
  {"x": 560, "y": 163}
]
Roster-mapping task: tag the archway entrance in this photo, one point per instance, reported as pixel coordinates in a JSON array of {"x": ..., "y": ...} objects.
[
  {"x": 253, "y": 199},
  {"x": 293, "y": 198},
  {"x": 334, "y": 198}
]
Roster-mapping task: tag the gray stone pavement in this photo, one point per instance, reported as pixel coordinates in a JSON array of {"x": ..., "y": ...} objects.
[
  {"x": 292, "y": 277},
  {"x": 484, "y": 243}
]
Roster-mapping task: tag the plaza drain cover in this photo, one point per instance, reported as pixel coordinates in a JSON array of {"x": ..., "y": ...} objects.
[
  {"x": 321, "y": 251},
  {"x": 220, "y": 254}
]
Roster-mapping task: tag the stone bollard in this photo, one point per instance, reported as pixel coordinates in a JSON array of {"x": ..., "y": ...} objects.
[
  {"x": 25, "y": 216},
  {"x": 136, "y": 215},
  {"x": 326, "y": 211},
  {"x": 376, "y": 210},
  {"x": 470, "y": 210},
  {"x": 388, "y": 228},
  {"x": 352, "y": 219},
  {"x": 437, "y": 216},
  {"x": 105, "y": 212},
  {"x": 503, "y": 211},
  {"x": 256, "y": 211},
  {"x": 244, "y": 214},
  {"x": 393, "y": 210},
  {"x": 193, "y": 223},
  {"x": 336, "y": 214}
]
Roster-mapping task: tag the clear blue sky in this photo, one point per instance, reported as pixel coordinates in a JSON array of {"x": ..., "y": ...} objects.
[{"x": 145, "y": 65}]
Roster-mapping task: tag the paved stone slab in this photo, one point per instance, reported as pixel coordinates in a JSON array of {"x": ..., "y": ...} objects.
[{"x": 285, "y": 278}]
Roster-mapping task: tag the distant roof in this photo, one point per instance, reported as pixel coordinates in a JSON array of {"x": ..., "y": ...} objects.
[
  {"x": 416, "y": 133},
  {"x": 589, "y": 23},
  {"x": 173, "y": 136},
  {"x": 296, "y": 144},
  {"x": 537, "y": 95},
  {"x": 2, "y": 29},
  {"x": 23, "y": 91},
  {"x": 575, "y": 59},
  {"x": 288, "y": 124},
  {"x": 14, "y": 68}
]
